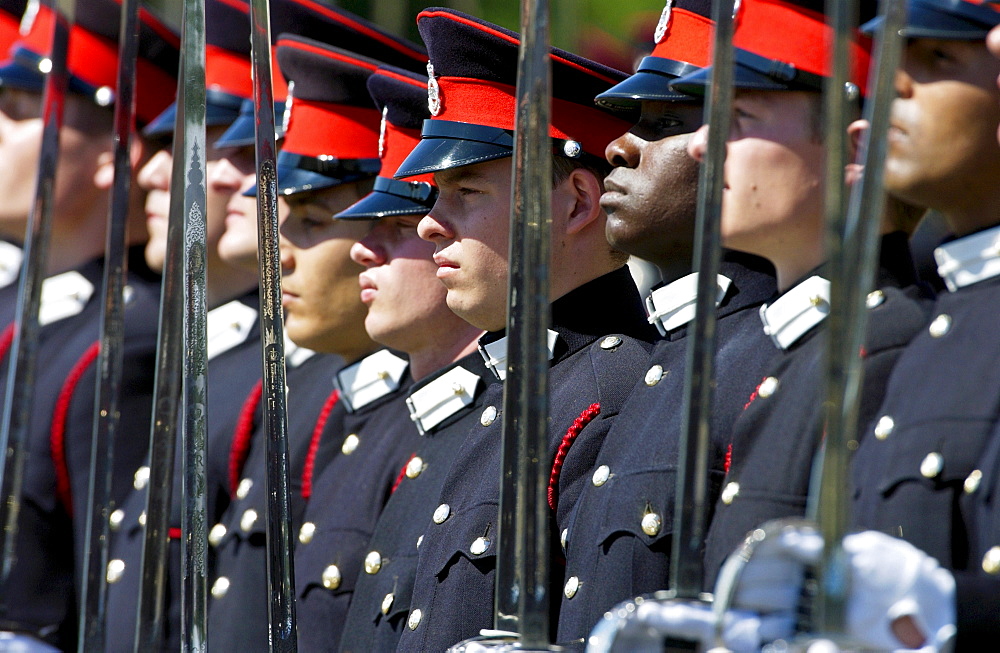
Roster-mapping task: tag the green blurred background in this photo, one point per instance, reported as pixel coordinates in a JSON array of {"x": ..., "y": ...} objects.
[{"x": 613, "y": 32}]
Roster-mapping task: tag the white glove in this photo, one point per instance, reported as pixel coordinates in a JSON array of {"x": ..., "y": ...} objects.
[
  {"x": 771, "y": 581},
  {"x": 891, "y": 578}
]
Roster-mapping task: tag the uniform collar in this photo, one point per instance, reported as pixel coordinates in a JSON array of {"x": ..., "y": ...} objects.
[
  {"x": 11, "y": 257},
  {"x": 493, "y": 348},
  {"x": 63, "y": 295},
  {"x": 442, "y": 397},
  {"x": 673, "y": 305},
  {"x": 228, "y": 326},
  {"x": 971, "y": 259},
  {"x": 794, "y": 313},
  {"x": 370, "y": 378}
]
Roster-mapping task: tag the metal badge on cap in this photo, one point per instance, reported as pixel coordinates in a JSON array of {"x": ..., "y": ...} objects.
[
  {"x": 661, "y": 27},
  {"x": 381, "y": 131},
  {"x": 433, "y": 91},
  {"x": 286, "y": 117}
]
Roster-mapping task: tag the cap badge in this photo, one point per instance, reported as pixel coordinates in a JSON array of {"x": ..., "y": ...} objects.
[
  {"x": 661, "y": 27},
  {"x": 28, "y": 19},
  {"x": 433, "y": 91},
  {"x": 286, "y": 116},
  {"x": 381, "y": 132},
  {"x": 737, "y": 6}
]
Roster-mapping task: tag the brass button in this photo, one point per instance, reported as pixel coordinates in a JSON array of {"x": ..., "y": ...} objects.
[
  {"x": 116, "y": 568},
  {"x": 653, "y": 375},
  {"x": 419, "y": 541},
  {"x": 972, "y": 481},
  {"x": 611, "y": 342},
  {"x": 141, "y": 478},
  {"x": 220, "y": 587},
  {"x": 730, "y": 492},
  {"x": 414, "y": 467},
  {"x": 331, "y": 577},
  {"x": 216, "y": 534},
  {"x": 489, "y": 416},
  {"x": 572, "y": 587},
  {"x": 243, "y": 489},
  {"x": 142, "y": 518},
  {"x": 875, "y": 299},
  {"x": 306, "y": 532},
  {"x": 387, "y": 602},
  {"x": 651, "y": 524},
  {"x": 767, "y": 387},
  {"x": 479, "y": 546},
  {"x": 116, "y": 518},
  {"x": 350, "y": 444},
  {"x": 931, "y": 465},
  {"x": 991, "y": 561},
  {"x": 414, "y": 619},
  {"x": 601, "y": 475},
  {"x": 248, "y": 519},
  {"x": 441, "y": 513},
  {"x": 940, "y": 326},
  {"x": 373, "y": 562},
  {"x": 884, "y": 427},
  {"x": 564, "y": 538}
]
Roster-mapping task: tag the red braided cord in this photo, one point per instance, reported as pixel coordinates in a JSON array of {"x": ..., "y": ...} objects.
[
  {"x": 402, "y": 473},
  {"x": 754, "y": 394},
  {"x": 729, "y": 458},
  {"x": 6, "y": 338},
  {"x": 57, "y": 434},
  {"x": 307, "y": 469},
  {"x": 586, "y": 417},
  {"x": 241, "y": 437}
]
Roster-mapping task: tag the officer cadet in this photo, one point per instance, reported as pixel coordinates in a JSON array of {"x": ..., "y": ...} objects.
[
  {"x": 442, "y": 403},
  {"x": 38, "y": 601},
  {"x": 599, "y": 333},
  {"x": 775, "y": 117},
  {"x": 328, "y": 159},
  {"x": 617, "y": 539}
]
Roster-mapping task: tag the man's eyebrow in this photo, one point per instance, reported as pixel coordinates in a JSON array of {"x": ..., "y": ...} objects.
[{"x": 459, "y": 175}]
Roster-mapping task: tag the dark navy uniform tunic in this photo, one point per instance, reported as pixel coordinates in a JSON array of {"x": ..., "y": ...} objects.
[
  {"x": 233, "y": 369},
  {"x": 927, "y": 470},
  {"x": 617, "y": 538},
  {"x": 40, "y": 596},
  {"x": 775, "y": 440},
  {"x": 238, "y": 607},
  {"x": 382, "y": 600},
  {"x": 603, "y": 337},
  {"x": 349, "y": 493}
]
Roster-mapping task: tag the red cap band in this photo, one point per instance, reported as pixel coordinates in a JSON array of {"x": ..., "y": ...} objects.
[
  {"x": 327, "y": 129},
  {"x": 688, "y": 39},
  {"x": 396, "y": 146},
  {"x": 227, "y": 71}
]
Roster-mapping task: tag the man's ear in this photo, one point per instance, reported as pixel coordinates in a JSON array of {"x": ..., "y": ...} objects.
[
  {"x": 581, "y": 192},
  {"x": 856, "y": 133}
]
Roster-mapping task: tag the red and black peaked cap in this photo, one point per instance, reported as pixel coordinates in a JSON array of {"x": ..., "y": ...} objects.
[
  {"x": 683, "y": 39},
  {"x": 92, "y": 58},
  {"x": 959, "y": 20},
  {"x": 401, "y": 96},
  {"x": 321, "y": 22},
  {"x": 785, "y": 45},
  {"x": 331, "y": 136},
  {"x": 471, "y": 97}
]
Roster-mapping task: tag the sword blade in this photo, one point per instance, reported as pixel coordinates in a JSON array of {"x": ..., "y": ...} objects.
[
  {"x": 691, "y": 507},
  {"x": 95, "y": 556},
  {"x": 522, "y": 575},
  {"x": 21, "y": 372},
  {"x": 280, "y": 567}
]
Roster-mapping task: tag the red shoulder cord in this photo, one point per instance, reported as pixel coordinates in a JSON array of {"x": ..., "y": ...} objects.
[
  {"x": 586, "y": 417},
  {"x": 402, "y": 473},
  {"x": 57, "y": 433},
  {"x": 6, "y": 339},
  {"x": 307, "y": 468},
  {"x": 242, "y": 435}
]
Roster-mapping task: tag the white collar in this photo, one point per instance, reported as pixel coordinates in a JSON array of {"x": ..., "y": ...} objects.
[
  {"x": 673, "y": 305},
  {"x": 63, "y": 295},
  {"x": 294, "y": 354},
  {"x": 968, "y": 260},
  {"x": 442, "y": 398},
  {"x": 370, "y": 378},
  {"x": 790, "y": 316},
  {"x": 495, "y": 354},
  {"x": 227, "y": 326},
  {"x": 11, "y": 257}
]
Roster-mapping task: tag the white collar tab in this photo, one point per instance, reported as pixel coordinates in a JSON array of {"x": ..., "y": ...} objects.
[
  {"x": 969, "y": 260},
  {"x": 63, "y": 295},
  {"x": 673, "y": 305},
  {"x": 294, "y": 354},
  {"x": 790, "y": 316},
  {"x": 11, "y": 257},
  {"x": 495, "y": 354},
  {"x": 442, "y": 398},
  {"x": 227, "y": 326},
  {"x": 371, "y": 378}
]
